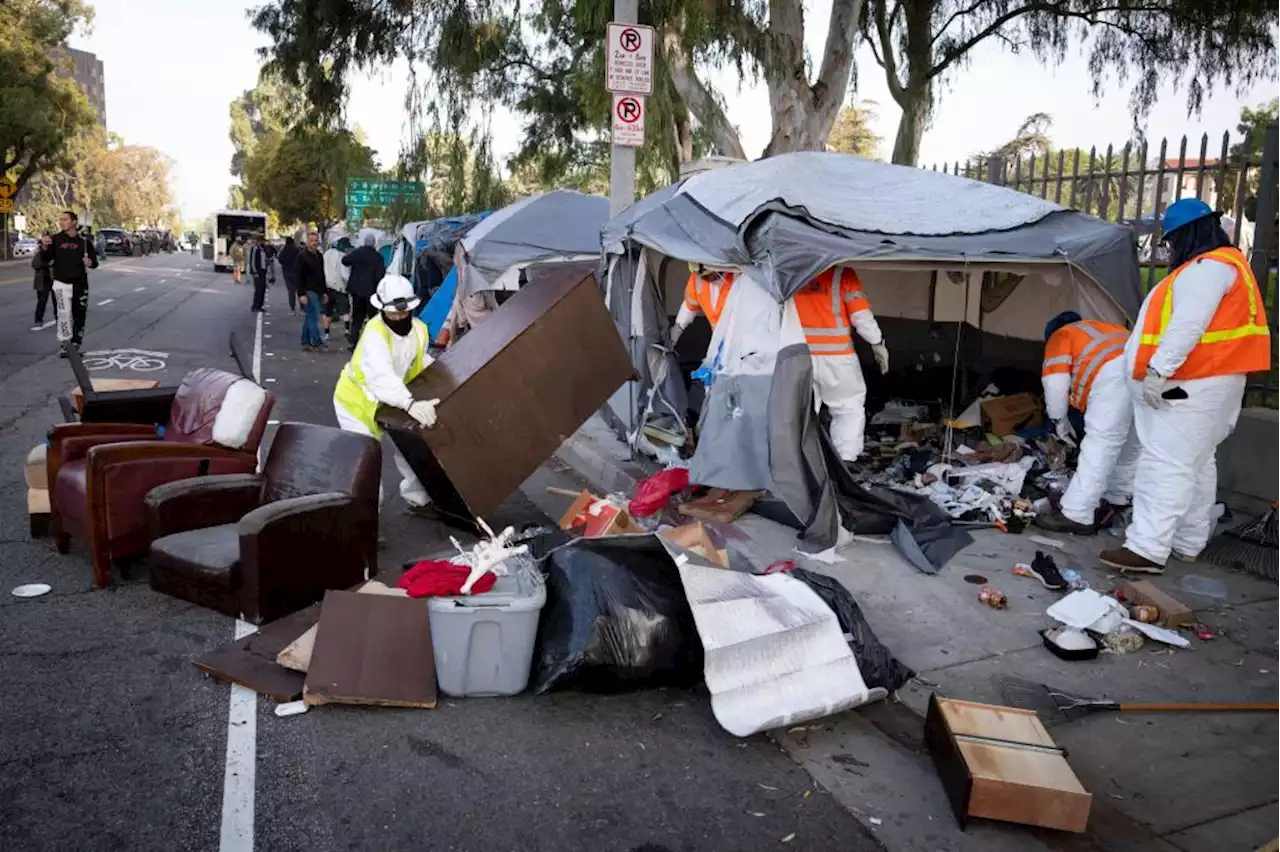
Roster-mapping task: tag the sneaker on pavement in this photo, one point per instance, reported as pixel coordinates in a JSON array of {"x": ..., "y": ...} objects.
[
  {"x": 1127, "y": 560},
  {"x": 1183, "y": 557},
  {"x": 37, "y": 327},
  {"x": 1046, "y": 571},
  {"x": 1060, "y": 523}
]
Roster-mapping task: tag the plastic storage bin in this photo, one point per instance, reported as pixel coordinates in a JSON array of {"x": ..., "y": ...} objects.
[{"x": 484, "y": 643}]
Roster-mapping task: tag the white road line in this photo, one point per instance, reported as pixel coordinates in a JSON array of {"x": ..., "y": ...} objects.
[
  {"x": 138, "y": 289},
  {"x": 239, "y": 779},
  {"x": 162, "y": 280},
  {"x": 257, "y": 350},
  {"x": 105, "y": 302}
]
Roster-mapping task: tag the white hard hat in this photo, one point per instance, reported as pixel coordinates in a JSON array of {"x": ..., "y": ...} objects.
[{"x": 394, "y": 293}]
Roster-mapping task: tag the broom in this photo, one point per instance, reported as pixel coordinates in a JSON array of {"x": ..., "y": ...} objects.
[
  {"x": 1250, "y": 547},
  {"x": 1055, "y": 706}
]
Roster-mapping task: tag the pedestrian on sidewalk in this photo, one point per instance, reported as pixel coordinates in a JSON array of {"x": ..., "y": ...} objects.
[
  {"x": 259, "y": 266},
  {"x": 288, "y": 269},
  {"x": 335, "y": 280},
  {"x": 391, "y": 353},
  {"x": 367, "y": 270},
  {"x": 312, "y": 293},
  {"x": 71, "y": 256},
  {"x": 237, "y": 259},
  {"x": 43, "y": 282}
]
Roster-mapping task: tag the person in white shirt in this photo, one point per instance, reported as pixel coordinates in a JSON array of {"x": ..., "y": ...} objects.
[{"x": 335, "y": 280}]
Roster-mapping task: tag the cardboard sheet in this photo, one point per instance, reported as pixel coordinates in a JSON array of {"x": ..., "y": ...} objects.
[
  {"x": 297, "y": 655},
  {"x": 372, "y": 649},
  {"x": 251, "y": 661}
]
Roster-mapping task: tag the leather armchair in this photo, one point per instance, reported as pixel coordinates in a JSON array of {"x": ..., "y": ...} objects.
[
  {"x": 100, "y": 473},
  {"x": 259, "y": 547}
]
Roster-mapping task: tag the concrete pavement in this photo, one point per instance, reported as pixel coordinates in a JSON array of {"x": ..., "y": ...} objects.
[{"x": 110, "y": 739}]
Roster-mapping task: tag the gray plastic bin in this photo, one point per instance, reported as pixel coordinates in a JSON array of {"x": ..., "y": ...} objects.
[{"x": 484, "y": 643}]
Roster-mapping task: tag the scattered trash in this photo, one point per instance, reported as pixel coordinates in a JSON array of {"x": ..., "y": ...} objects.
[
  {"x": 790, "y": 837},
  {"x": 1022, "y": 569},
  {"x": 993, "y": 598},
  {"x": 719, "y": 505},
  {"x": 1202, "y": 632},
  {"x": 593, "y": 516},
  {"x": 1160, "y": 634},
  {"x": 1047, "y": 542},
  {"x": 1173, "y": 612},
  {"x": 875, "y": 821},
  {"x": 1146, "y": 613},
  {"x": 1087, "y": 610},
  {"x": 1068, "y": 643},
  {"x": 32, "y": 590},
  {"x": 653, "y": 495},
  {"x": 1045, "y": 570},
  {"x": 292, "y": 708},
  {"x": 975, "y": 579},
  {"x": 1209, "y": 587},
  {"x": 1123, "y": 640}
]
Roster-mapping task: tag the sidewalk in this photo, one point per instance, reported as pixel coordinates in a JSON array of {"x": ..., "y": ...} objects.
[{"x": 1170, "y": 782}]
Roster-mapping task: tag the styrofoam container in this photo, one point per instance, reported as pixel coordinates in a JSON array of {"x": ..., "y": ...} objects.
[{"x": 484, "y": 643}]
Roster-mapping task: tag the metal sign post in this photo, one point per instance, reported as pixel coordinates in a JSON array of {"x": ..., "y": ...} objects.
[{"x": 629, "y": 73}]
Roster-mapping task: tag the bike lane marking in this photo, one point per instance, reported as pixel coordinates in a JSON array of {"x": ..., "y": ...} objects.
[{"x": 105, "y": 302}]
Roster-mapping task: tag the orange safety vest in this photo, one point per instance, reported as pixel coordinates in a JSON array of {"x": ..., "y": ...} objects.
[
  {"x": 703, "y": 295},
  {"x": 826, "y": 305},
  {"x": 1081, "y": 349},
  {"x": 1237, "y": 339}
]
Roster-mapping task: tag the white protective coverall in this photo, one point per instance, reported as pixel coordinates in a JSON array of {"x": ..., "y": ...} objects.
[
  {"x": 384, "y": 359},
  {"x": 1177, "y": 476},
  {"x": 1109, "y": 451}
]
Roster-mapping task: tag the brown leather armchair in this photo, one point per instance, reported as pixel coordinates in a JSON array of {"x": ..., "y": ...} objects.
[
  {"x": 262, "y": 546},
  {"x": 99, "y": 473}
]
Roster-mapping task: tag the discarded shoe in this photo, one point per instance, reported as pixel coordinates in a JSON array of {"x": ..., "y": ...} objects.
[
  {"x": 1046, "y": 571},
  {"x": 1055, "y": 521},
  {"x": 1127, "y": 560}
]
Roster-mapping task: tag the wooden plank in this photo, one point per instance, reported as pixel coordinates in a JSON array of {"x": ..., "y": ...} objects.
[
  {"x": 251, "y": 661},
  {"x": 969, "y": 718},
  {"x": 109, "y": 385},
  {"x": 372, "y": 649},
  {"x": 297, "y": 655}
]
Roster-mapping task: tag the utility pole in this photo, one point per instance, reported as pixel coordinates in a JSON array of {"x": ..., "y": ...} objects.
[{"x": 622, "y": 161}]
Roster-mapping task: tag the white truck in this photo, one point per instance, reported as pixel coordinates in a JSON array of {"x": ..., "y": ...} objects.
[{"x": 226, "y": 225}]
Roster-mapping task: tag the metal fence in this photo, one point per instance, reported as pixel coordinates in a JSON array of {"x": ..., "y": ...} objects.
[{"x": 1134, "y": 185}]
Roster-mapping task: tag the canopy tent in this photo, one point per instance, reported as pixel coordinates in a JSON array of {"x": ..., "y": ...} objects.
[
  {"x": 558, "y": 226},
  {"x": 932, "y": 250}
]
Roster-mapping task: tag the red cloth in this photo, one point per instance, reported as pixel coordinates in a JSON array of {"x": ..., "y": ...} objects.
[
  {"x": 432, "y": 579},
  {"x": 652, "y": 495}
]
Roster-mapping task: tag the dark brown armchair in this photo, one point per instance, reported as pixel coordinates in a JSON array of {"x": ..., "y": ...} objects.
[
  {"x": 100, "y": 473},
  {"x": 262, "y": 546}
]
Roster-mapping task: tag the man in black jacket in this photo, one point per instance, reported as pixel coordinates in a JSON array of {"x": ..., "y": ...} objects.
[
  {"x": 367, "y": 269},
  {"x": 259, "y": 265},
  {"x": 70, "y": 256},
  {"x": 43, "y": 282},
  {"x": 312, "y": 291}
]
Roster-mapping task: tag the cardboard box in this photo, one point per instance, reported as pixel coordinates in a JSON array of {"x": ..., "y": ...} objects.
[
  {"x": 595, "y": 517},
  {"x": 1005, "y": 415},
  {"x": 512, "y": 390},
  {"x": 1000, "y": 763},
  {"x": 696, "y": 538},
  {"x": 1173, "y": 612}
]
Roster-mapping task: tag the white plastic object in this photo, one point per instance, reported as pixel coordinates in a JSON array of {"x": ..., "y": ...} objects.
[
  {"x": 32, "y": 590},
  {"x": 1087, "y": 610},
  {"x": 291, "y": 708}
]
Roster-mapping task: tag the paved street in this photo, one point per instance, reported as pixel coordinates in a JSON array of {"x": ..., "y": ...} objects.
[{"x": 110, "y": 739}]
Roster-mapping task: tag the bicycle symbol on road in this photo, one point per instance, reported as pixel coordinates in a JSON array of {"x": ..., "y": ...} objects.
[{"x": 139, "y": 360}]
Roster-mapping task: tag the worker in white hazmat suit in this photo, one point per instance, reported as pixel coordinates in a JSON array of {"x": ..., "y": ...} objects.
[
  {"x": 391, "y": 352},
  {"x": 1200, "y": 331},
  {"x": 1084, "y": 369},
  {"x": 705, "y": 294},
  {"x": 830, "y": 308}
]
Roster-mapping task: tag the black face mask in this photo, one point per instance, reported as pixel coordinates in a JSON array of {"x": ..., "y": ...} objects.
[{"x": 401, "y": 326}]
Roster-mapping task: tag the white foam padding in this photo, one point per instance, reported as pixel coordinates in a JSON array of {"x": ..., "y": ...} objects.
[
  {"x": 774, "y": 651},
  {"x": 240, "y": 409}
]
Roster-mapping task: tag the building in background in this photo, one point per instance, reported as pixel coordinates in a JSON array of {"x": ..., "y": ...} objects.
[{"x": 87, "y": 71}]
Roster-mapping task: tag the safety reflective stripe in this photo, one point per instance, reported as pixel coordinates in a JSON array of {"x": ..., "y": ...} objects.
[
  {"x": 826, "y": 332},
  {"x": 1249, "y": 329},
  {"x": 831, "y": 348},
  {"x": 837, "y": 311},
  {"x": 1090, "y": 363},
  {"x": 1060, "y": 359},
  {"x": 854, "y": 295}
]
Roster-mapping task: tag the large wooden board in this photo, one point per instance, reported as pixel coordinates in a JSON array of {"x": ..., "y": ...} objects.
[
  {"x": 297, "y": 655},
  {"x": 251, "y": 661},
  {"x": 372, "y": 649}
]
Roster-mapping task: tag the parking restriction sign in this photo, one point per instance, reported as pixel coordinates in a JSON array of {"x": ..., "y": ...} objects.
[
  {"x": 628, "y": 120},
  {"x": 629, "y": 59}
]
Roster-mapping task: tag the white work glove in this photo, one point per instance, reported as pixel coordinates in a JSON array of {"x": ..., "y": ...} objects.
[
  {"x": 676, "y": 331},
  {"x": 1152, "y": 388},
  {"x": 882, "y": 357},
  {"x": 1065, "y": 431},
  {"x": 424, "y": 411}
]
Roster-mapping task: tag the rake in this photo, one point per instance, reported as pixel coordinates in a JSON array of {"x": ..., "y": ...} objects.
[
  {"x": 1055, "y": 706},
  {"x": 1250, "y": 548}
]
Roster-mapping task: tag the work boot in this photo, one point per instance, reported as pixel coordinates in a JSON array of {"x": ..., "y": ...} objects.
[
  {"x": 1127, "y": 560},
  {"x": 1060, "y": 523},
  {"x": 1183, "y": 557}
]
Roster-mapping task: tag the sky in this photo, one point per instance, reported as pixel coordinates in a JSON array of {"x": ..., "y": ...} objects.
[{"x": 172, "y": 68}]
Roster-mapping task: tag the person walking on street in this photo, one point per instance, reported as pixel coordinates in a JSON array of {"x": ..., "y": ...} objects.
[
  {"x": 1199, "y": 333},
  {"x": 259, "y": 266},
  {"x": 335, "y": 280},
  {"x": 288, "y": 270},
  {"x": 367, "y": 270},
  {"x": 237, "y": 260},
  {"x": 43, "y": 282},
  {"x": 70, "y": 257},
  {"x": 390, "y": 354},
  {"x": 312, "y": 293}
]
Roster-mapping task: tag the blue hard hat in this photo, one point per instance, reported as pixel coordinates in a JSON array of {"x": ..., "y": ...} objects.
[
  {"x": 1064, "y": 318},
  {"x": 1184, "y": 211}
]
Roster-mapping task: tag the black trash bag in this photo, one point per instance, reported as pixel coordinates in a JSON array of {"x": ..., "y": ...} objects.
[
  {"x": 879, "y": 667},
  {"x": 616, "y": 619}
]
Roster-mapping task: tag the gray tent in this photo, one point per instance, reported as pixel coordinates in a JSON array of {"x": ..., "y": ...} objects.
[
  {"x": 931, "y": 250},
  {"x": 558, "y": 226}
]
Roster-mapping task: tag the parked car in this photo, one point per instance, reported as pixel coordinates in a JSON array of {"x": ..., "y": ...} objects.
[
  {"x": 114, "y": 241},
  {"x": 26, "y": 247}
]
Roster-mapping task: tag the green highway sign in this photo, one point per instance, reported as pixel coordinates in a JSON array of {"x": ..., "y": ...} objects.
[{"x": 366, "y": 192}]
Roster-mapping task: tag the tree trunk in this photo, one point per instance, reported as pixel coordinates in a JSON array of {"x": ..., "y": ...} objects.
[
  {"x": 699, "y": 100},
  {"x": 915, "y": 103}
]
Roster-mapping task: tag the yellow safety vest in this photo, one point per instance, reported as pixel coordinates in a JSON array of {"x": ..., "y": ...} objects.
[{"x": 353, "y": 394}]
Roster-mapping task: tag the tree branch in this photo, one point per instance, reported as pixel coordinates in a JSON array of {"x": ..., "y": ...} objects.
[
  {"x": 890, "y": 62},
  {"x": 698, "y": 98},
  {"x": 958, "y": 13},
  {"x": 837, "y": 62}
]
